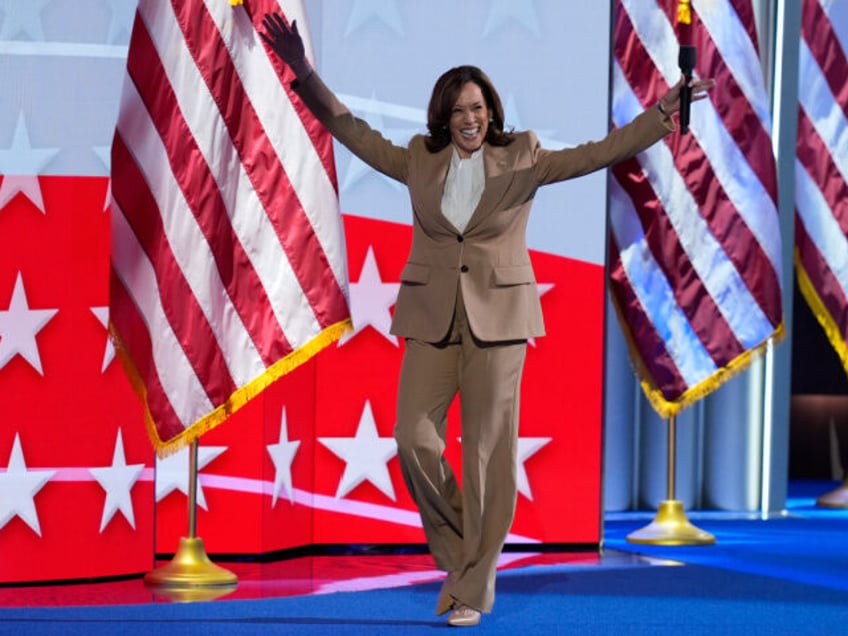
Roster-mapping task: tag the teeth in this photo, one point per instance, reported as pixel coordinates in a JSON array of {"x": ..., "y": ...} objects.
[{"x": 470, "y": 132}]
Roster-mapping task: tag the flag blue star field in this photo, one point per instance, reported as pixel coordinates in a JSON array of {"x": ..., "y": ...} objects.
[{"x": 695, "y": 246}]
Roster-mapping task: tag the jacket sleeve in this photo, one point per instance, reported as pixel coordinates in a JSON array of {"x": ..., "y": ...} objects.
[
  {"x": 353, "y": 133},
  {"x": 621, "y": 143}
]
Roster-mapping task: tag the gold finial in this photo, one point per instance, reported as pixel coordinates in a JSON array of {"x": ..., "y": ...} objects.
[
  {"x": 235, "y": 3},
  {"x": 684, "y": 12}
]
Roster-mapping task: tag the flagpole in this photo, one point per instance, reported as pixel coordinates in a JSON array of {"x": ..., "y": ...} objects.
[
  {"x": 670, "y": 526},
  {"x": 190, "y": 575}
]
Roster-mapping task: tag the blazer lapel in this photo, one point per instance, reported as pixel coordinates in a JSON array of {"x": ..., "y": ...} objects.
[
  {"x": 431, "y": 184},
  {"x": 496, "y": 163}
]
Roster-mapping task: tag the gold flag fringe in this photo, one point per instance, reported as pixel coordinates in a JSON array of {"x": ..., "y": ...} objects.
[
  {"x": 667, "y": 408},
  {"x": 831, "y": 329},
  {"x": 237, "y": 400}
]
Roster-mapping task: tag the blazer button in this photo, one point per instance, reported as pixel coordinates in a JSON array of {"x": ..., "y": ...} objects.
[
  {"x": 463, "y": 269},
  {"x": 459, "y": 238}
]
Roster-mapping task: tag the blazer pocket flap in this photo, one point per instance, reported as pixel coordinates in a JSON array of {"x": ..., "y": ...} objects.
[
  {"x": 516, "y": 275},
  {"x": 415, "y": 273}
]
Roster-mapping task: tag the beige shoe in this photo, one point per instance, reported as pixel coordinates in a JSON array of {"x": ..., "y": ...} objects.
[{"x": 463, "y": 616}]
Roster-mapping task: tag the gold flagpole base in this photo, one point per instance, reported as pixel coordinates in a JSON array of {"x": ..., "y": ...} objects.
[
  {"x": 835, "y": 498},
  {"x": 671, "y": 527},
  {"x": 190, "y": 575}
]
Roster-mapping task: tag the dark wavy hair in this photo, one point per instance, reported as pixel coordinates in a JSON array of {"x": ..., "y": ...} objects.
[{"x": 446, "y": 92}]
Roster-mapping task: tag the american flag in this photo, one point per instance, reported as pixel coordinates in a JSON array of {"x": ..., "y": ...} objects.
[
  {"x": 228, "y": 265},
  {"x": 695, "y": 252},
  {"x": 821, "y": 168}
]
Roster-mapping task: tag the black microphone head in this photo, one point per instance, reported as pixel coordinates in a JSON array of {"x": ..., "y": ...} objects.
[{"x": 687, "y": 58}]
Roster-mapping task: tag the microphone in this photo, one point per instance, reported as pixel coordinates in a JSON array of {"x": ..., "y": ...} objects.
[{"x": 686, "y": 60}]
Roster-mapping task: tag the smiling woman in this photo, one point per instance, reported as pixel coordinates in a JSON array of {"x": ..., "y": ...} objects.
[
  {"x": 466, "y": 110},
  {"x": 469, "y": 120},
  {"x": 468, "y": 300}
]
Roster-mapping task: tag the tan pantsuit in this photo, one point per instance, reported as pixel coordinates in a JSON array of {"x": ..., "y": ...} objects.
[
  {"x": 458, "y": 286},
  {"x": 466, "y": 528}
]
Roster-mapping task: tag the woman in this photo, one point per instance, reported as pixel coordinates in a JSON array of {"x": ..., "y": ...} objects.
[{"x": 468, "y": 301}]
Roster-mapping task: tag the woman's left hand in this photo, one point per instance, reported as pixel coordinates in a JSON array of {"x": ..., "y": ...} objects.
[
  {"x": 286, "y": 42},
  {"x": 670, "y": 102}
]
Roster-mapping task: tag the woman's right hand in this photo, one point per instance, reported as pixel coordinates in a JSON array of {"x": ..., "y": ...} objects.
[{"x": 286, "y": 43}]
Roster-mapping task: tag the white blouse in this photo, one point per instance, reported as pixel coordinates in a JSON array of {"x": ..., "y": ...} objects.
[{"x": 463, "y": 188}]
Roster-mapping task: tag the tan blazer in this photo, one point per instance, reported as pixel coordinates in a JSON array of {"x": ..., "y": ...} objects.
[{"x": 489, "y": 260}]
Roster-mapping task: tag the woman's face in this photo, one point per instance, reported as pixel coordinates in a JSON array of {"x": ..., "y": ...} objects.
[{"x": 469, "y": 120}]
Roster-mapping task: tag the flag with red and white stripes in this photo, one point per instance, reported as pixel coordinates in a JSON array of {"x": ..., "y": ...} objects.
[
  {"x": 821, "y": 168},
  {"x": 228, "y": 265},
  {"x": 695, "y": 251}
]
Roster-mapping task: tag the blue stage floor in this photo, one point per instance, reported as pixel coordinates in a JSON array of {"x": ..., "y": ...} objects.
[{"x": 787, "y": 574}]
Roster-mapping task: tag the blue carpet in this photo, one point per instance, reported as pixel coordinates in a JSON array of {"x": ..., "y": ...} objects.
[
  {"x": 637, "y": 599},
  {"x": 800, "y": 550},
  {"x": 806, "y": 545},
  {"x": 778, "y": 576}
]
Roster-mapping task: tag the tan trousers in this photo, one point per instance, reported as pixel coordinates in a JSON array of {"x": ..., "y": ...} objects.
[{"x": 466, "y": 528}]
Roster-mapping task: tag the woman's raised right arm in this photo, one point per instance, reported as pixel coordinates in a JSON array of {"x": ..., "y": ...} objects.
[{"x": 354, "y": 133}]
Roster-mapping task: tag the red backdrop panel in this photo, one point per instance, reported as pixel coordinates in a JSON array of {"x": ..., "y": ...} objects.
[{"x": 67, "y": 418}]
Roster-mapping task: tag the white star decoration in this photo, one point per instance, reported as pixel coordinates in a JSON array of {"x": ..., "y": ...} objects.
[
  {"x": 385, "y": 11},
  {"x": 541, "y": 289},
  {"x": 282, "y": 454},
  {"x": 370, "y": 301},
  {"x": 502, "y": 11},
  {"x": 527, "y": 447},
  {"x": 18, "y": 487},
  {"x": 372, "y": 110},
  {"x": 102, "y": 314},
  {"x": 28, "y": 185},
  {"x": 21, "y": 157},
  {"x": 117, "y": 480},
  {"x": 513, "y": 119},
  {"x": 22, "y": 17},
  {"x": 172, "y": 472},
  {"x": 21, "y": 163},
  {"x": 18, "y": 327},
  {"x": 104, "y": 154},
  {"x": 123, "y": 14},
  {"x": 107, "y": 201},
  {"x": 365, "y": 454}
]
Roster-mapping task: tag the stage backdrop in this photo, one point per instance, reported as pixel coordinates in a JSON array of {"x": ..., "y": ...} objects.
[{"x": 312, "y": 461}]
